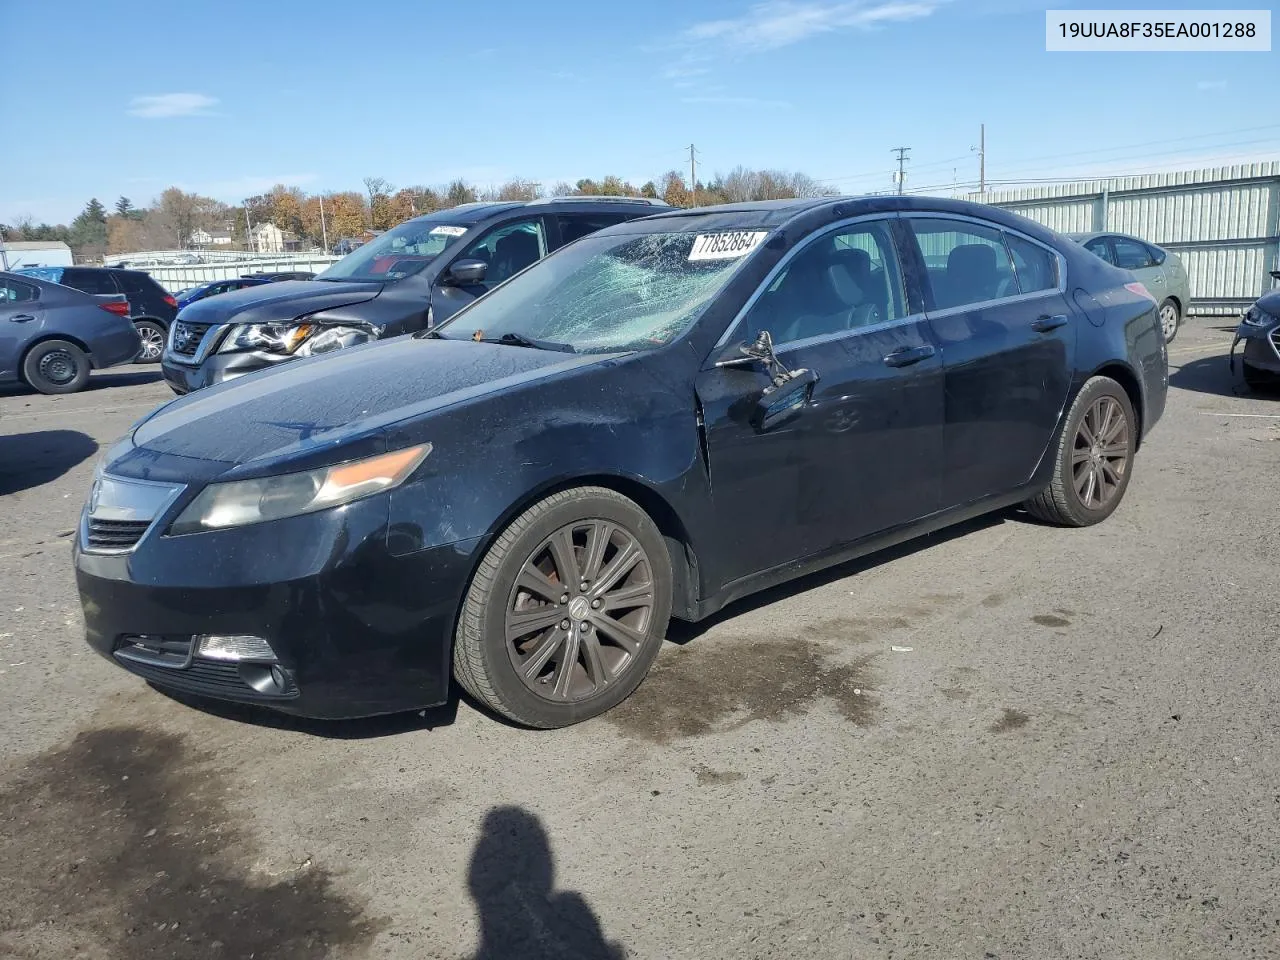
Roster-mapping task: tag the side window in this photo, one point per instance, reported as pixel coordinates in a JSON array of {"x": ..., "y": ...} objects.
[
  {"x": 508, "y": 249},
  {"x": 967, "y": 262},
  {"x": 575, "y": 226},
  {"x": 1158, "y": 256},
  {"x": 15, "y": 291},
  {"x": 89, "y": 281},
  {"x": 1100, "y": 248},
  {"x": 134, "y": 282},
  {"x": 841, "y": 281},
  {"x": 1131, "y": 255},
  {"x": 1036, "y": 267}
]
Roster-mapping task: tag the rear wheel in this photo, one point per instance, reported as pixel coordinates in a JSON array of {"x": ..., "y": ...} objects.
[
  {"x": 1170, "y": 319},
  {"x": 1094, "y": 458},
  {"x": 567, "y": 610},
  {"x": 153, "y": 337},
  {"x": 56, "y": 366}
]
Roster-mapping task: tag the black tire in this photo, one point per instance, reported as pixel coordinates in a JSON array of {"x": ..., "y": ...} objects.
[
  {"x": 152, "y": 332},
  {"x": 1061, "y": 502},
  {"x": 56, "y": 366},
  {"x": 483, "y": 660},
  {"x": 1169, "y": 334}
]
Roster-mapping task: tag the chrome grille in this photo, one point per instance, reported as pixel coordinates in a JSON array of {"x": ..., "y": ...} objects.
[
  {"x": 114, "y": 534},
  {"x": 1275, "y": 340},
  {"x": 186, "y": 338}
]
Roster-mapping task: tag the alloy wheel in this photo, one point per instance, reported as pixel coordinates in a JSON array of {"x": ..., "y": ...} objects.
[
  {"x": 1169, "y": 321},
  {"x": 58, "y": 367},
  {"x": 580, "y": 610},
  {"x": 1100, "y": 455},
  {"x": 152, "y": 343}
]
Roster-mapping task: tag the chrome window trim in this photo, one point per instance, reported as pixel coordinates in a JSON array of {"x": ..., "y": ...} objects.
[
  {"x": 1061, "y": 288},
  {"x": 782, "y": 264}
]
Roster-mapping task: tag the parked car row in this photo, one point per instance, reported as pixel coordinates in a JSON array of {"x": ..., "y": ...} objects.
[{"x": 666, "y": 415}]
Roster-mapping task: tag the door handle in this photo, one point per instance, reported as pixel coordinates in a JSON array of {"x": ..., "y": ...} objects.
[
  {"x": 21, "y": 318},
  {"x": 906, "y": 356},
  {"x": 1045, "y": 324},
  {"x": 1157, "y": 279}
]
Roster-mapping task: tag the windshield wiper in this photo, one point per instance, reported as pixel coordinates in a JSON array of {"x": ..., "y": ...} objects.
[{"x": 520, "y": 340}]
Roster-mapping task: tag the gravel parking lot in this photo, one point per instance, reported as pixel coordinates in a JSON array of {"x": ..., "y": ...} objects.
[{"x": 1006, "y": 741}]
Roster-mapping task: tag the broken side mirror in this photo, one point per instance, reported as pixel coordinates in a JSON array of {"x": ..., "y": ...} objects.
[{"x": 784, "y": 398}]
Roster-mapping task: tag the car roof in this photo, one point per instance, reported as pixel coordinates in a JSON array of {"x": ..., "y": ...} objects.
[
  {"x": 469, "y": 214},
  {"x": 1084, "y": 237}
]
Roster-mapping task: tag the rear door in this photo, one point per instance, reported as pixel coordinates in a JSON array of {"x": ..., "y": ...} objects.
[
  {"x": 21, "y": 315},
  {"x": 1137, "y": 258},
  {"x": 1007, "y": 334}
]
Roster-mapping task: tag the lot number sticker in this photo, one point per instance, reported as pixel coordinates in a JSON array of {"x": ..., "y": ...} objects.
[
  {"x": 449, "y": 231},
  {"x": 725, "y": 246}
]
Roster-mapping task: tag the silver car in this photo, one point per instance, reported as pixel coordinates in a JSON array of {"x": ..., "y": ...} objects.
[{"x": 1161, "y": 271}]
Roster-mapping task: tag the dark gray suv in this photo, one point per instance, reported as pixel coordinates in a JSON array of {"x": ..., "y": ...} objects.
[{"x": 414, "y": 276}]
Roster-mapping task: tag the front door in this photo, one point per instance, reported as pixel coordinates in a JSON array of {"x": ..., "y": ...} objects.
[
  {"x": 507, "y": 249},
  {"x": 863, "y": 452},
  {"x": 1007, "y": 335},
  {"x": 21, "y": 317}
]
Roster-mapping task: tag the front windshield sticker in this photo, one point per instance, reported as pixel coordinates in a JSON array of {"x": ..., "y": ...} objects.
[
  {"x": 449, "y": 231},
  {"x": 725, "y": 246}
]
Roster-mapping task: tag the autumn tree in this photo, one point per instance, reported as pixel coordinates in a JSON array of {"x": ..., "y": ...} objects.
[
  {"x": 183, "y": 212},
  {"x": 674, "y": 190},
  {"x": 344, "y": 216},
  {"x": 650, "y": 190},
  {"x": 285, "y": 205}
]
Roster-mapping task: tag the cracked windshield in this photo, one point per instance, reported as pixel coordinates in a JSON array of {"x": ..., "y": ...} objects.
[{"x": 603, "y": 294}]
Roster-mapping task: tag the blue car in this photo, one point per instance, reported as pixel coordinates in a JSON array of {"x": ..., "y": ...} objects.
[
  {"x": 1259, "y": 329},
  {"x": 215, "y": 287}
]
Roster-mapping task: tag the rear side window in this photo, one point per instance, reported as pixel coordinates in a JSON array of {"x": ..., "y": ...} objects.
[
  {"x": 966, "y": 262},
  {"x": 1100, "y": 248},
  {"x": 15, "y": 291},
  {"x": 1131, "y": 255},
  {"x": 1158, "y": 256},
  {"x": 575, "y": 226},
  {"x": 1036, "y": 267},
  {"x": 132, "y": 282},
  {"x": 89, "y": 281}
]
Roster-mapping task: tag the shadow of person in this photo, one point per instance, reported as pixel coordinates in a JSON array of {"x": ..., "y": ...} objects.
[{"x": 512, "y": 880}]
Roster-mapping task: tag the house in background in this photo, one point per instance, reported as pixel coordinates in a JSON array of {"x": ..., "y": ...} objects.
[
  {"x": 210, "y": 238},
  {"x": 268, "y": 238},
  {"x": 34, "y": 253}
]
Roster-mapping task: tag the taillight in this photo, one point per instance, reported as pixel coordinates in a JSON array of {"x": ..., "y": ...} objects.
[
  {"x": 119, "y": 307},
  {"x": 170, "y": 300},
  {"x": 1141, "y": 290}
]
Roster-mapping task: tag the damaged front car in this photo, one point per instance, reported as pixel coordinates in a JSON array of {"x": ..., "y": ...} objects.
[{"x": 1259, "y": 330}]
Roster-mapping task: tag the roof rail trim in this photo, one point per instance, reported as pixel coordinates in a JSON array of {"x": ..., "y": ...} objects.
[{"x": 648, "y": 201}]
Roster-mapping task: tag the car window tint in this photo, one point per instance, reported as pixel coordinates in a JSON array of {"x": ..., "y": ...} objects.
[
  {"x": 575, "y": 226},
  {"x": 89, "y": 281},
  {"x": 133, "y": 282},
  {"x": 1036, "y": 267},
  {"x": 508, "y": 249},
  {"x": 1100, "y": 248},
  {"x": 1131, "y": 255},
  {"x": 841, "y": 281},
  {"x": 1158, "y": 256},
  {"x": 15, "y": 291},
  {"x": 966, "y": 262}
]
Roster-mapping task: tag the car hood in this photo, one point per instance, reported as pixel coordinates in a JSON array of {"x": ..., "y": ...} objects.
[
  {"x": 300, "y": 408},
  {"x": 1270, "y": 303},
  {"x": 273, "y": 302}
]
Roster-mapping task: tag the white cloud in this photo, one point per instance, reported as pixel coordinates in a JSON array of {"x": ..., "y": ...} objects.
[
  {"x": 1211, "y": 85},
  {"x": 171, "y": 105},
  {"x": 780, "y": 23}
]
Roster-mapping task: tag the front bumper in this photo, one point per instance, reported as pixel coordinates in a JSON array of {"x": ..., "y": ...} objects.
[
  {"x": 214, "y": 369},
  {"x": 356, "y": 629},
  {"x": 1261, "y": 346}
]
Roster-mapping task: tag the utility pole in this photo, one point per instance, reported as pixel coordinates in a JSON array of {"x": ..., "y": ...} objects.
[
  {"x": 324, "y": 230},
  {"x": 902, "y": 172},
  {"x": 248, "y": 230},
  {"x": 693, "y": 176},
  {"x": 982, "y": 159}
]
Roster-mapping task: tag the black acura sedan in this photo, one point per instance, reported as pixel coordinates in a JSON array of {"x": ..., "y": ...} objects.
[{"x": 652, "y": 422}]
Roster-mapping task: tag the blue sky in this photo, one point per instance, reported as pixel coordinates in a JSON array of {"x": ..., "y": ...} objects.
[{"x": 229, "y": 97}]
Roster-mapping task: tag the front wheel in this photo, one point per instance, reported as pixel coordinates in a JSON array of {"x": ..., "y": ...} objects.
[
  {"x": 56, "y": 366},
  {"x": 1094, "y": 458},
  {"x": 567, "y": 610},
  {"x": 153, "y": 337},
  {"x": 1170, "y": 319}
]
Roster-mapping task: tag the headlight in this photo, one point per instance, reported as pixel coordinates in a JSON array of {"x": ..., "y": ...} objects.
[
  {"x": 328, "y": 339},
  {"x": 242, "y": 502},
  {"x": 273, "y": 337},
  {"x": 1256, "y": 318}
]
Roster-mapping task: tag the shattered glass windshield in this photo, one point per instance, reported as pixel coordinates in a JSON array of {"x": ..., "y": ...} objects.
[{"x": 608, "y": 293}]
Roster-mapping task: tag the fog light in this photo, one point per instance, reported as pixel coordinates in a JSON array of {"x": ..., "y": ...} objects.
[{"x": 235, "y": 647}]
